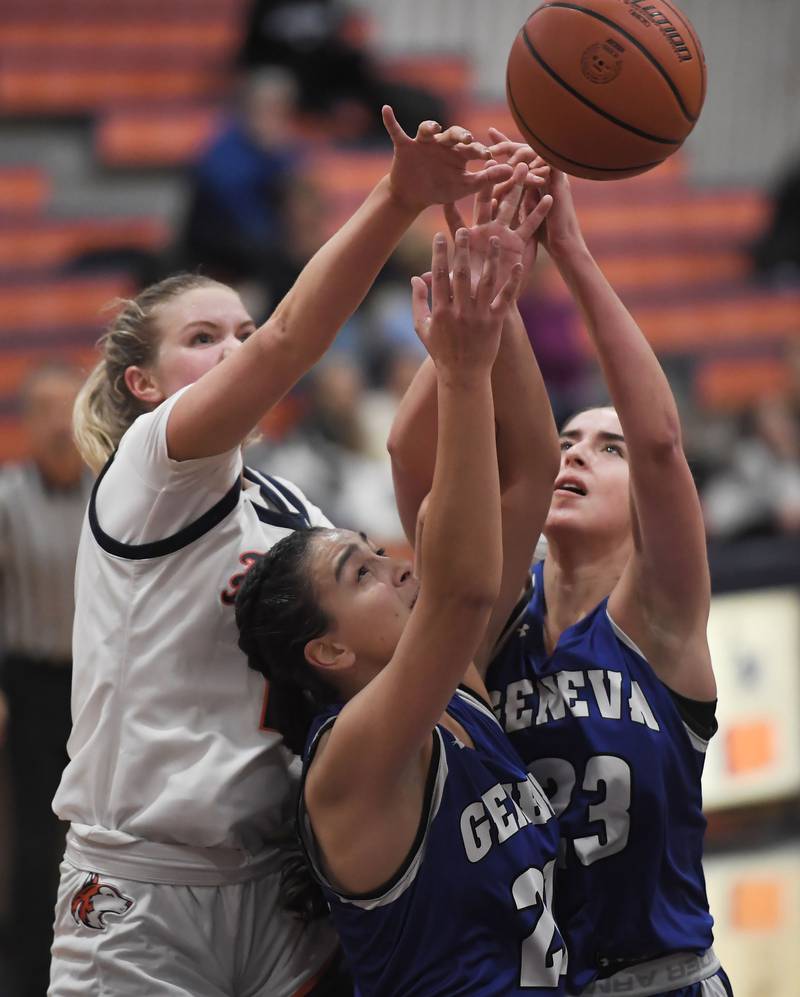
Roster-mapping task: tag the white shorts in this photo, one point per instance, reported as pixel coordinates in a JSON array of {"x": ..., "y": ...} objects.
[{"x": 129, "y": 939}]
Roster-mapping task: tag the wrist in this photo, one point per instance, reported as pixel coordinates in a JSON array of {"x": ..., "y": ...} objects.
[
  {"x": 567, "y": 251},
  {"x": 403, "y": 200},
  {"x": 453, "y": 377}
]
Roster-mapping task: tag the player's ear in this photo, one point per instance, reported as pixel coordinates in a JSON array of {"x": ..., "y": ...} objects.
[
  {"x": 142, "y": 384},
  {"x": 328, "y": 655}
]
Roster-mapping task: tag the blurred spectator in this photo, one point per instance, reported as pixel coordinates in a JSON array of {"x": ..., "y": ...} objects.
[
  {"x": 326, "y": 454},
  {"x": 317, "y": 42},
  {"x": 235, "y": 221},
  {"x": 758, "y": 493},
  {"x": 42, "y": 503},
  {"x": 776, "y": 254}
]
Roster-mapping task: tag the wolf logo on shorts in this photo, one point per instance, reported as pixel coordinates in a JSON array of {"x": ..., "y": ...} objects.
[{"x": 94, "y": 900}]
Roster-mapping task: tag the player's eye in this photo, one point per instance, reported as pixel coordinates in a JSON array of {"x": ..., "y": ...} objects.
[
  {"x": 201, "y": 339},
  {"x": 613, "y": 448},
  {"x": 381, "y": 552},
  {"x": 363, "y": 570},
  {"x": 565, "y": 444},
  {"x": 244, "y": 336}
]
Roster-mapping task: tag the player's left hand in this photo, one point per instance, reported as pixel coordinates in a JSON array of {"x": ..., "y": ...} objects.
[
  {"x": 512, "y": 213},
  {"x": 561, "y": 235},
  {"x": 431, "y": 167}
]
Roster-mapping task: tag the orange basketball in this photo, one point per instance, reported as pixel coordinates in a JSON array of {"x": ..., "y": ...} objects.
[{"x": 606, "y": 89}]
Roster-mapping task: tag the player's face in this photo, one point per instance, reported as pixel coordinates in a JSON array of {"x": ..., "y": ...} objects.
[
  {"x": 366, "y": 593},
  {"x": 199, "y": 328},
  {"x": 591, "y": 490}
]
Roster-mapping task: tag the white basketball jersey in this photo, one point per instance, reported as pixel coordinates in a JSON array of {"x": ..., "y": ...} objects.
[{"x": 167, "y": 748}]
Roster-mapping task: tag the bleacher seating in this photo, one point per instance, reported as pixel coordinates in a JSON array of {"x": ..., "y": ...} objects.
[{"x": 150, "y": 76}]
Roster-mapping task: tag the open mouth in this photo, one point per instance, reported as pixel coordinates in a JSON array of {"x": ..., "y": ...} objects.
[{"x": 569, "y": 486}]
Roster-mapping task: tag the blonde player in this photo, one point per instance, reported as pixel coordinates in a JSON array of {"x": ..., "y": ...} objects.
[{"x": 176, "y": 789}]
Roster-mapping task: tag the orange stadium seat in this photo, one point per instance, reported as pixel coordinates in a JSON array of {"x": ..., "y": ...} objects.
[
  {"x": 54, "y": 242},
  {"x": 153, "y": 136},
  {"x": 23, "y": 190},
  {"x": 755, "y": 317},
  {"x": 730, "y": 384},
  {"x": 53, "y": 88},
  {"x": 47, "y": 306}
]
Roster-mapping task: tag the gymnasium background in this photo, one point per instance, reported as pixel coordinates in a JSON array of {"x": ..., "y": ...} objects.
[{"x": 105, "y": 112}]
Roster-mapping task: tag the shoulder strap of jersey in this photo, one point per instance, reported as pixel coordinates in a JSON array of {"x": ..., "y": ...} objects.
[{"x": 169, "y": 545}]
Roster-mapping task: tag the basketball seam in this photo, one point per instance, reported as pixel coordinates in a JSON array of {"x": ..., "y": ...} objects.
[
  {"x": 590, "y": 104},
  {"x": 634, "y": 41},
  {"x": 575, "y": 162}
]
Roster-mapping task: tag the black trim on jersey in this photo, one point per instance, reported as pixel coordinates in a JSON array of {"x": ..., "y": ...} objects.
[
  {"x": 422, "y": 828},
  {"x": 475, "y": 695},
  {"x": 698, "y": 715},
  {"x": 169, "y": 545},
  {"x": 514, "y": 617},
  {"x": 273, "y": 491}
]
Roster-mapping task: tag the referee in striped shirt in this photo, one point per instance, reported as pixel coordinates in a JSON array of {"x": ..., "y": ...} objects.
[{"x": 42, "y": 503}]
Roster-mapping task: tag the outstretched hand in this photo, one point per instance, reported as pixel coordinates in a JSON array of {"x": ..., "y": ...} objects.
[
  {"x": 562, "y": 232},
  {"x": 461, "y": 328},
  {"x": 431, "y": 167},
  {"x": 512, "y": 213}
]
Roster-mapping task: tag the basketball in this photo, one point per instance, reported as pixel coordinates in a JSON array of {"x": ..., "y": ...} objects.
[{"x": 606, "y": 89}]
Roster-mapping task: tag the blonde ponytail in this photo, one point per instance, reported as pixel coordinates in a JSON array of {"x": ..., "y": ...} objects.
[{"x": 105, "y": 407}]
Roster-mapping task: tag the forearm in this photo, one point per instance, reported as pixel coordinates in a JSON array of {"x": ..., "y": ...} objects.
[
  {"x": 412, "y": 445},
  {"x": 465, "y": 499},
  {"x": 638, "y": 386},
  {"x": 222, "y": 408},
  {"x": 527, "y": 438},
  {"x": 337, "y": 278}
]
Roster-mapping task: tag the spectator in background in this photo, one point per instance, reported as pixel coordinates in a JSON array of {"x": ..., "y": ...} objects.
[
  {"x": 776, "y": 253},
  {"x": 235, "y": 219},
  {"x": 42, "y": 502},
  {"x": 758, "y": 493},
  {"x": 315, "y": 40}
]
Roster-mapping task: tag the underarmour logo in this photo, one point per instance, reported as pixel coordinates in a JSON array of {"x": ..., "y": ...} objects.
[{"x": 524, "y": 629}]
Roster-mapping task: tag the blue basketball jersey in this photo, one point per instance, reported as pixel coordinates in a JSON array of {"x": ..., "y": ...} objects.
[
  {"x": 469, "y": 910},
  {"x": 607, "y": 742}
]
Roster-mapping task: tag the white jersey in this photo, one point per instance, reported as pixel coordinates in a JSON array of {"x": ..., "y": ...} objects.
[{"x": 172, "y": 776}]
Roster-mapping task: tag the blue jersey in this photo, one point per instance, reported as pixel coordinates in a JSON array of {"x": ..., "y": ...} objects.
[
  {"x": 469, "y": 910},
  {"x": 607, "y": 741}
]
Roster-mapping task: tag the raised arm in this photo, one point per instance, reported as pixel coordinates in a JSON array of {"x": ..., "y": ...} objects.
[
  {"x": 382, "y": 731},
  {"x": 219, "y": 410},
  {"x": 662, "y": 599},
  {"x": 527, "y": 441}
]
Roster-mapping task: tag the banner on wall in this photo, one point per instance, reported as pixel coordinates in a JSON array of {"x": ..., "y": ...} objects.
[{"x": 755, "y": 647}]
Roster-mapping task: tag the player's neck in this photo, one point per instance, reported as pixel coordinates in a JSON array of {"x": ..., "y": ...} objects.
[{"x": 573, "y": 586}]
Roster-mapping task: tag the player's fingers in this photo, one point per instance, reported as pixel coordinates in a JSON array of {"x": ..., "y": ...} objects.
[
  {"x": 455, "y": 135},
  {"x": 488, "y": 278},
  {"x": 471, "y": 150},
  {"x": 482, "y": 211},
  {"x": 461, "y": 270},
  {"x": 440, "y": 282},
  {"x": 508, "y": 208},
  {"x": 535, "y": 218},
  {"x": 420, "y": 310},
  {"x": 453, "y": 218},
  {"x": 489, "y": 174},
  {"x": 497, "y": 136},
  {"x": 392, "y": 126},
  {"x": 428, "y": 130},
  {"x": 509, "y": 292}
]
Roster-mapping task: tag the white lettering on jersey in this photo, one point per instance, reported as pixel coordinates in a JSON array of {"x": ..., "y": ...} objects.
[
  {"x": 498, "y": 816},
  {"x": 575, "y": 691},
  {"x": 640, "y": 708}
]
